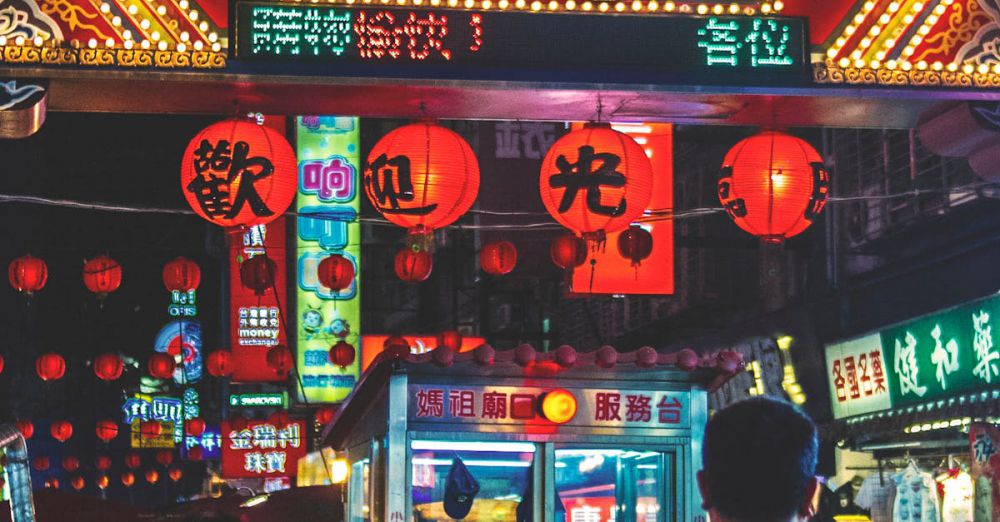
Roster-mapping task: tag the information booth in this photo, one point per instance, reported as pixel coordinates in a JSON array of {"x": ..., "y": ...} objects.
[{"x": 555, "y": 436}]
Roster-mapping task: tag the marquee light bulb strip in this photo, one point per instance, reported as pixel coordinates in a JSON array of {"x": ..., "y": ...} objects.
[{"x": 538, "y": 6}]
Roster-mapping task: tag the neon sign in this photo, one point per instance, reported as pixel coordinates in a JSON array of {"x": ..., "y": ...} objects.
[
  {"x": 262, "y": 449},
  {"x": 258, "y": 400},
  {"x": 169, "y": 410}
]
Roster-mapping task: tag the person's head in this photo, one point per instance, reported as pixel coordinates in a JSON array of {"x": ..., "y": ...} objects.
[{"x": 759, "y": 459}]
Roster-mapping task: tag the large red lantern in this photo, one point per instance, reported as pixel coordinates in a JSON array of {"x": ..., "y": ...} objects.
[
  {"x": 280, "y": 359},
  {"x": 450, "y": 339},
  {"x": 128, "y": 479},
  {"x": 61, "y": 430},
  {"x": 194, "y": 427},
  {"x": 28, "y": 274},
  {"x": 595, "y": 181},
  {"x": 26, "y": 427},
  {"x": 102, "y": 463},
  {"x": 635, "y": 244},
  {"x": 71, "y": 464},
  {"x": 773, "y": 185},
  {"x": 50, "y": 366},
  {"x": 568, "y": 251},
  {"x": 107, "y": 430},
  {"x": 422, "y": 176},
  {"x": 108, "y": 366},
  {"x": 102, "y": 275},
  {"x": 257, "y": 274},
  {"x": 220, "y": 363},
  {"x": 413, "y": 265},
  {"x": 238, "y": 173},
  {"x": 335, "y": 272},
  {"x": 161, "y": 365},
  {"x": 181, "y": 275},
  {"x": 498, "y": 258},
  {"x": 342, "y": 354},
  {"x": 133, "y": 460}
]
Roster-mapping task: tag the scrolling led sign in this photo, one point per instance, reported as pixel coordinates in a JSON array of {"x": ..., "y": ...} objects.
[{"x": 570, "y": 46}]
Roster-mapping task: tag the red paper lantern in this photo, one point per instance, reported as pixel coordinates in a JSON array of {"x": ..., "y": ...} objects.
[
  {"x": 50, "y": 366},
  {"x": 40, "y": 463},
  {"x": 175, "y": 474},
  {"x": 498, "y": 258},
  {"x": 596, "y": 180},
  {"x": 194, "y": 427},
  {"x": 161, "y": 365},
  {"x": 150, "y": 429},
  {"x": 1, "y": 363},
  {"x": 26, "y": 427},
  {"x": 342, "y": 354},
  {"x": 181, "y": 275},
  {"x": 257, "y": 274},
  {"x": 220, "y": 363},
  {"x": 635, "y": 244},
  {"x": 102, "y": 482},
  {"x": 194, "y": 454},
  {"x": 128, "y": 479},
  {"x": 450, "y": 339},
  {"x": 324, "y": 415},
  {"x": 78, "y": 483},
  {"x": 568, "y": 251},
  {"x": 152, "y": 476},
  {"x": 336, "y": 272},
  {"x": 133, "y": 460},
  {"x": 102, "y": 463},
  {"x": 237, "y": 173},
  {"x": 773, "y": 185},
  {"x": 238, "y": 423},
  {"x": 280, "y": 359},
  {"x": 71, "y": 464},
  {"x": 108, "y": 366},
  {"x": 28, "y": 274},
  {"x": 413, "y": 266},
  {"x": 107, "y": 430},
  {"x": 396, "y": 343},
  {"x": 61, "y": 430},
  {"x": 165, "y": 457},
  {"x": 102, "y": 275},
  {"x": 422, "y": 176}
]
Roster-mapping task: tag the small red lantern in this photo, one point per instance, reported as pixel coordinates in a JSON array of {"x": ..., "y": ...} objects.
[
  {"x": 181, "y": 275},
  {"x": 107, "y": 430},
  {"x": 78, "y": 483},
  {"x": 336, "y": 272},
  {"x": 175, "y": 474},
  {"x": 596, "y": 152},
  {"x": 568, "y": 251},
  {"x": 128, "y": 479},
  {"x": 28, "y": 274},
  {"x": 1, "y": 363},
  {"x": 40, "y": 463},
  {"x": 102, "y": 463},
  {"x": 324, "y": 415},
  {"x": 194, "y": 454},
  {"x": 71, "y": 464},
  {"x": 238, "y": 423},
  {"x": 773, "y": 185},
  {"x": 102, "y": 275},
  {"x": 422, "y": 176},
  {"x": 102, "y": 482},
  {"x": 150, "y": 429},
  {"x": 52, "y": 483},
  {"x": 342, "y": 354},
  {"x": 108, "y": 366},
  {"x": 133, "y": 460},
  {"x": 220, "y": 363},
  {"x": 413, "y": 265},
  {"x": 498, "y": 258},
  {"x": 635, "y": 244},
  {"x": 50, "y": 366},
  {"x": 450, "y": 339},
  {"x": 26, "y": 427},
  {"x": 257, "y": 274},
  {"x": 61, "y": 430},
  {"x": 165, "y": 457},
  {"x": 280, "y": 359},
  {"x": 194, "y": 427},
  {"x": 152, "y": 476},
  {"x": 161, "y": 365}
]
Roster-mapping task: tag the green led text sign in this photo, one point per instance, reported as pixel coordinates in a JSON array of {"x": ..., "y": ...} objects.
[
  {"x": 258, "y": 400},
  {"x": 396, "y": 41}
]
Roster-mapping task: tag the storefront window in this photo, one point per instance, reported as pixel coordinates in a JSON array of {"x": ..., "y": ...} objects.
[
  {"x": 500, "y": 469},
  {"x": 610, "y": 485},
  {"x": 359, "y": 502}
]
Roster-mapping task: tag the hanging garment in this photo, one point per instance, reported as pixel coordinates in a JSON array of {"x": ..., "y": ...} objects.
[
  {"x": 984, "y": 500},
  {"x": 916, "y": 497},
  {"x": 957, "y": 505},
  {"x": 877, "y": 495}
]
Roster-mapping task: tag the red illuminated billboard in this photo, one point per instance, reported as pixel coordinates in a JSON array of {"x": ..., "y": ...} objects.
[{"x": 263, "y": 449}]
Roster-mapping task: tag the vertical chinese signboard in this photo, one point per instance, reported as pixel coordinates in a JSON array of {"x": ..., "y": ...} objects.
[
  {"x": 857, "y": 375},
  {"x": 262, "y": 449},
  {"x": 328, "y": 204}
]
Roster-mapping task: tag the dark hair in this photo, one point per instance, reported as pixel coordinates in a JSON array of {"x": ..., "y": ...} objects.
[{"x": 759, "y": 455}]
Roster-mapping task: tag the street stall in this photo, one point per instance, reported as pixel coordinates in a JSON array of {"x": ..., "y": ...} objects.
[{"x": 520, "y": 435}]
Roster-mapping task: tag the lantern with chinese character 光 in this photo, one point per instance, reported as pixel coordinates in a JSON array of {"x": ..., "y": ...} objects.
[
  {"x": 498, "y": 258},
  {"x": 107, "y": 430},
  {"x": 28, "y": 274},
  {"x": 181, "y": 275},
  {"x": 220, "y": 363},
  {"x": 238, "y": 173},
  {"x": 257, "y": 274},
  {"x": 422, "y": 176},
  {"x": 108, "y": 366},
  {"x": 161, "y": 365},
  {"x": 61, "y": 430},
  {"x": 773, "y": 185},
  {"x": 595, "y": 181},
  {"x": 342, "y": 354},
  {"x": 50, "y": 366},
  {"x": 413, "y": 265},
  {"x": 335, "y": 272},
  {"x": 102, "y": 275},
  {"x": 635, "y": 244},
  {"x": 280, "y": 359}
]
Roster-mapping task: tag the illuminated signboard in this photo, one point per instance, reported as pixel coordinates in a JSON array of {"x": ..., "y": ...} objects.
[
  {"x": 258, "y": 400},
  {"x": 182, "y": 304},
  {"x": 170, "y": 411},
  {"x": 857, "y": 377},
  {"x": 263, "y": 449},
  {"x": 182, "y": 339},
  {"x": 574, "y": 46},
  {"x": 329, "y": 161},
  {"x": 210, "y": 443}
]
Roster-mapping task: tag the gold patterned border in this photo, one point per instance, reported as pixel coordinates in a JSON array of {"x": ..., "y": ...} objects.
[
  {"x": 14, "y": 54},
  {"x": 826, "y": 72}
]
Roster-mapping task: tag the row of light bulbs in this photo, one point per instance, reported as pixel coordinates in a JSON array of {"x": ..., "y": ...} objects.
[
  {"x": 876, "y": 30},
  {"x": 571, "y": 5},
  {"x": 922, "y": 65}
]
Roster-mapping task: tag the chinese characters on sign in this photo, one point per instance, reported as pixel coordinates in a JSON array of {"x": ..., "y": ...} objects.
[
  {"x": 169, "y": 411},
  {"x": 262, "y": 449},
  {"x": 857, "y": 375},
  {"x": 584, "y": 174},
  {"x": 759, "y": 42}
]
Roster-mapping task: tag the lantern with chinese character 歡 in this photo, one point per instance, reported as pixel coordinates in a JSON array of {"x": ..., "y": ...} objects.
[
  {"x": 773, "y": 185},
  {"x": 498, "y": 258},
  {"x": 106, "y": 430},
  {"x": 595, "y": 181},
  {"x": 635, "y": 244},
  {"x": 108, "y": 366},
  {"x": 102, "y": 275},
  {"x": 413, "y": 265},
  {"x": 50, "y": 366},
  {"x": 335, "y": 272},
  {"x": 342, "y": 354},
  {"x": 26, "y": 427},
  {"x": 422, "y": 176},
  {"x": 238, "y": 173},
  {"x": 181, "y": 275},
  {"x": 194, "y": 427},
  {"x": 61, "y": 430},
  {"x": 28, "y": 274},
  {"x": 220, "y": 363},
  {"x": 257, "y": 274},
  {"x": 161, "y": 365},
  {"x": 280, "y": 359}
]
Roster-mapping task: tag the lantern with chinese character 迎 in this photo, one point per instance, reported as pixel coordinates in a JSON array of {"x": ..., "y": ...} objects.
[
  {"x": 220, "y": 363},
  {"x": 161, "y": 365},
  {"x": 238, "y": 173},
  {"x": 102, "y": 463},
  {"x": 335, "y": 272},
  {"x": 181, "y": 275},
  {"x": 635, "y": 244},
  {"x": 108, "y": 366},
  {"x": 413, "y": 265},
  {"x": 165, "y": 457},
  {"x": 194, "y": 427},
  {"x": 40, "y": 463},
  {"x": 28, "y": 274},
  {"x": 71, "y": 463},
  {"x": 50, "y": 366},
  {"x": 150, "y": 429},
  {"x": 568, "y": 251},
  {"x": 422, "y": 176},
  {"x": 175, "y": 474},
  {"x": 26, "y": 427},
  {"x": 280, "y": 359},
  {"x": 498, "y": 258},
  {"x": 61, "y": 430},
  {"x": 342, "y": 354},
  {"x": 595, "y": 181},
  {"x": 773, "y": 185},
  {"x": 128, "y": 479},
  {"x": 257, "y": 274},
  {"x": 106, "y": 430},
  {"x": 450, "y": 339},
  {"x": 133, "y": 461},
  {"x": 102, "y": 275}
]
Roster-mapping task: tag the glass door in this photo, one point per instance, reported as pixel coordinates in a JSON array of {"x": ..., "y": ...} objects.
[{"x": 612, "y": 485}]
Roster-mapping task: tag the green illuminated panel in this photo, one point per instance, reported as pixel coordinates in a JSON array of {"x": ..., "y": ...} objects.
[{"x": 258, "y": 400}]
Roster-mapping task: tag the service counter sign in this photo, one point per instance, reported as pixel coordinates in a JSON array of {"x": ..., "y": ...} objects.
[{"x": 262, "y": 449}]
